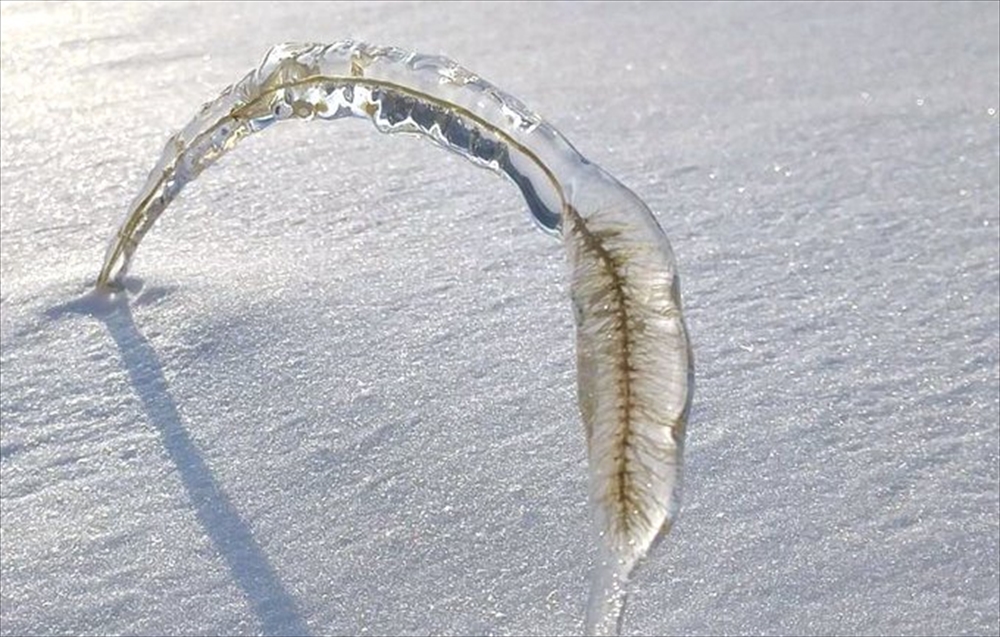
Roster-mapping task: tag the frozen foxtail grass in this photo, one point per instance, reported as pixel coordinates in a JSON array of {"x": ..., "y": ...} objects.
[{"x": 635, "y": 370}]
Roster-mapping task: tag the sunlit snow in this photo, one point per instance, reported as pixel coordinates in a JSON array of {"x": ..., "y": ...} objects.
[{"x": 339, "y": 394}]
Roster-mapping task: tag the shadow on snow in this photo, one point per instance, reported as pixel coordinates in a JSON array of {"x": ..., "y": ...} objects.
[{"x": 273, "y": 605}]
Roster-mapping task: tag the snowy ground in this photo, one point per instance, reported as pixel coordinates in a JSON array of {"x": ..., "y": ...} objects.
[{"x": 340, "y": 396}]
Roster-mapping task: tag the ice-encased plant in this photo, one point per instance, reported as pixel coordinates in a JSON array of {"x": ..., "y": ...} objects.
[{"x": 635, "y": 368}]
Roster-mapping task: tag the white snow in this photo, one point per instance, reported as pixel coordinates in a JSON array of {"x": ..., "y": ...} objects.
[{"x": 340, "y": 395}]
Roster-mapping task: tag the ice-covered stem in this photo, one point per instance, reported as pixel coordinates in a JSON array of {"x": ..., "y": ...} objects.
[
  {"x": 635, "y": 367},
  {"x": 398, "y": 91},
  {"x": 634, "y": 375}
]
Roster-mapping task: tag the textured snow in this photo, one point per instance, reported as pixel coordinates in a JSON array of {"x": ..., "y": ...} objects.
[{"x": 340, "y": 395}]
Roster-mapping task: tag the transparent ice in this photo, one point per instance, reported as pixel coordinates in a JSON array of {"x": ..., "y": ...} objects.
[{"x": 635, "y": 368}]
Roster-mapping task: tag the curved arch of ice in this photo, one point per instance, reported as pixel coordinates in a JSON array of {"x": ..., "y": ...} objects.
[{"x": 635, "y": 369}]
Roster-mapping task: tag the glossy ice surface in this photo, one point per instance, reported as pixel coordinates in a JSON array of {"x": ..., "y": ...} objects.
[{"x": 635, "y": 376}]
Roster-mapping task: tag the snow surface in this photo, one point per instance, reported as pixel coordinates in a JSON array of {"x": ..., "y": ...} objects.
[{"x": 340, "y": 396}]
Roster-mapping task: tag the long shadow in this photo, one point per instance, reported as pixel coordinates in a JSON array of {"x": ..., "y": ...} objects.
[{"x": 273, "y": 605}]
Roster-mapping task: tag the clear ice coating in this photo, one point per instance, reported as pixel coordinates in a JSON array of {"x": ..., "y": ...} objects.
[
  {"x": 635, "y": 368},
  {"x": 396, "y": 90}
]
